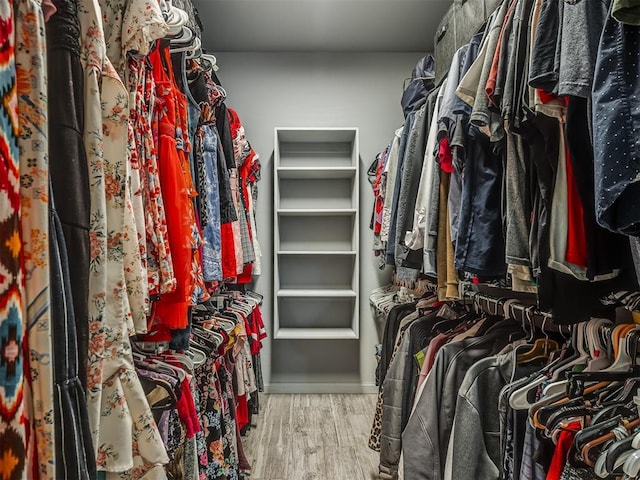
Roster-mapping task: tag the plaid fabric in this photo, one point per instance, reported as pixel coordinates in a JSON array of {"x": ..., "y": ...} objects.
[{"x": 247, "y": 245}]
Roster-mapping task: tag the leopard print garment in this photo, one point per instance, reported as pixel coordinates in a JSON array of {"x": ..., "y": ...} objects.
[{"x": 376, "y": 428}]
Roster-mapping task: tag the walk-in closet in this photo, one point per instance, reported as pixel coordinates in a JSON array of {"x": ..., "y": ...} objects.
[{"x": 319, "y": 239}]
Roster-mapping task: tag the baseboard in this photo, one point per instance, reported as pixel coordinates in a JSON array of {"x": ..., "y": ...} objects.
[{"x": 320, "y": 388}]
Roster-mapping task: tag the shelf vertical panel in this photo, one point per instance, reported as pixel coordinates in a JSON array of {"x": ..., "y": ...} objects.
[{"x": 356, "y": 229}]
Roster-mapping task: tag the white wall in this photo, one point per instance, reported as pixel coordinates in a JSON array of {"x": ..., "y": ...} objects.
[{"x": 271, "y": 90}]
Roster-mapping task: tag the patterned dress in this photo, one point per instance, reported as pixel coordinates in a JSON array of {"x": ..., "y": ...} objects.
[
  {"x": 159, "y": 265},
  {"x": 171, "y": 311},
  {"x": 130, "y": 27},
  {"x": 12, "y": 430},
  {"x": 128, "y": 444},
  {"x": 34, "y": 186}
]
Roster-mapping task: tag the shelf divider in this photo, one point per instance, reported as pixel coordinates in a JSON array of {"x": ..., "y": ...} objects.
[
  {"x": 315, "y": 334},
  {"x": 316, "y": 292}
]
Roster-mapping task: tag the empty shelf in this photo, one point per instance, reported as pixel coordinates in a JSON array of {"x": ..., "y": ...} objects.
[
  {"x": 316, "y": 272},
  {"x": 316, "y": 252},
  {"x": 315, "y": 333},
  {"x": 316, "y": 194},
  {"x": 316, "y": 293},
  {"x": 316, "y": 211},
  {"x": 316, "y": 232},
  {"x": 316, "y": 172},
  {"x": 301, "y": 135}
]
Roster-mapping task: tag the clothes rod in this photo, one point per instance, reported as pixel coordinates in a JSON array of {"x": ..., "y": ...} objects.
[{"x": 527, "y": 315}]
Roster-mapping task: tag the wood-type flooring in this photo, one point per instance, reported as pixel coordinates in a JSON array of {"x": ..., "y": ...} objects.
[{"x": 312, "y": 437}]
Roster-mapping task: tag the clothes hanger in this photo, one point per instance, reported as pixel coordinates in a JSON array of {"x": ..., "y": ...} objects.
[
  {"x": 542, "y": 414},
  {"x": 206, "y": 348},
  {"x": 543, "y": 402},
  {"x": 212, "y": 59},
  {"x": 583, "y": 359},
  {"x": 622, "y": 362},
  {"x": 569, "y": 412},
  {"x": 509, "y": 308},
  {"x": 597, "y": 350},
  {"x": 227, "y": 319},
  {"x": 209, "y": 328},
  {"x": 193, "y": 54},
  {"x": 209, "y": 339},
  {"x": 171, "y": 369},
  {"x": 390, "y": 301},
  {"x": 597, "y": 430},
  {"x": 255, "y": 295},
  {"x": 161, "y": 395},
  {"x": 541, "y": 349},
  {"x": 185, "y": 361},
  {"x": 195, "y": 45},
  {"x": 580, "y": 357},
  {"x": 199, "y": 355},
  {"x": 519, "y": 398},
  {"x": 175, "y": 19},
  {"x": 631, "y": 466},
  {"x": 614, "y": 457},
  {"x": 158, "y": 362},
  {"x": 622, "y": 395},
  {"x": 586, "y": 450},
  {"x": 243, "y": 306},
  {"x": 636, "y": 439},
  {"x": 185, "y": 37},
  {"x": 157, "y": 367}
]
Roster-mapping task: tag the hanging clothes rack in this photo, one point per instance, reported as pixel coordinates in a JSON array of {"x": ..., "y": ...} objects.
[{"x": 517, "y": 309}]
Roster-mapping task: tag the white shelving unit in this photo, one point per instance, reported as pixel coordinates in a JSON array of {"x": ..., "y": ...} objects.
[{"x": 316, "y": 234}]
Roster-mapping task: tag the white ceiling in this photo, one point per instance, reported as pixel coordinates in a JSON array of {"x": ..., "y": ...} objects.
[{"x": 320, "y": 25}]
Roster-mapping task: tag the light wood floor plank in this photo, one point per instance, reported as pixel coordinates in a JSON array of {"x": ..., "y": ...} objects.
[
  {"x": 272, "y": 461},
  {"x": 367, "y": 458},
  {"x": 312, "y": 437},
  {"x": 306, "y": 458},
  {"x": 342, "y": 462}
]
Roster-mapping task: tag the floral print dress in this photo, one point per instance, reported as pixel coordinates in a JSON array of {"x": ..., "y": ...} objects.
[
  {"x": 159, "y": 265},
  {"x": 130, "y": 27},
  {"x": 34, "y": 186},
  {"x": 217, "y": 452},
  {"x": 126, "y": 438}
]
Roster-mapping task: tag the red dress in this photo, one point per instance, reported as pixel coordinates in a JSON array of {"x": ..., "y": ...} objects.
[{"x": 172, "y": 309}]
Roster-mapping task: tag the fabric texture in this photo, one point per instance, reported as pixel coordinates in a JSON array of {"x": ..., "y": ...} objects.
[
  {"x": 432, "y": 420},
  {"x": 31, "y": 71},
  {"x": 411, "y": 172},
  {"x": 74, "y": 450},
  {"x": 124, "y": 433},
  {"x": 67, "y": 158},
  {"x": 12, "y": 328},
  {"x": 615, "y": 117},
  {"x": 476, "y": 424}
]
